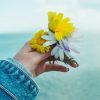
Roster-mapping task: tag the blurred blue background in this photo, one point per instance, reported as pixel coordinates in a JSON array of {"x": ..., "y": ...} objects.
[{"x": 20, "y": 19}]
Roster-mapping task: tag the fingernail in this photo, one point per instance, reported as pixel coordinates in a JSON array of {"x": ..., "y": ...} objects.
[
  {"x": 67, "y": 69},
  {"x": 74, "y": 65}
]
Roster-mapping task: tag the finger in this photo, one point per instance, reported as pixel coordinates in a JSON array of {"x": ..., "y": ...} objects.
[
  {"x": 55, "y": 67},
  {"x": 73, "y": 63},
  {"x": 26, "y": 47}
]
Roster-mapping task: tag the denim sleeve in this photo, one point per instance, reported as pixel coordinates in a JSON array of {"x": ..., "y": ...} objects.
[{"x": 16, "y": 81}]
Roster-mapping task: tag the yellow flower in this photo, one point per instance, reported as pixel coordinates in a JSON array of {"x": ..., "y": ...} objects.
[
  {"x": 54, "y": 20},
  {"x": 61, "y": 27},
  {"x": 37, "y": 42}
]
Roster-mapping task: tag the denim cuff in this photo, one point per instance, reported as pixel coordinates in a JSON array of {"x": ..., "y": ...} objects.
[
  {"x": 22, "y": 67},
  {"x": 17, "y": 80}
]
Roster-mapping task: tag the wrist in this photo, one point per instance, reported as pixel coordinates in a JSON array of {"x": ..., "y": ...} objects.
[
  {"x": 19, "y": 65},
  {"x": 25, "y": 63}
]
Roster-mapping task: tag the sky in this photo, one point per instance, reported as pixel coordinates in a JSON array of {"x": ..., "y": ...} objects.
[{"x": 28, "y": 15}]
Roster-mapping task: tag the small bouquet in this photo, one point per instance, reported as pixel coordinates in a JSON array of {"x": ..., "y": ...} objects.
[{"x": 56, "y": 40}]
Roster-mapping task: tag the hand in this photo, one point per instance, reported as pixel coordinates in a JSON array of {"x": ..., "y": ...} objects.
[{"x": 36, "y": 62}]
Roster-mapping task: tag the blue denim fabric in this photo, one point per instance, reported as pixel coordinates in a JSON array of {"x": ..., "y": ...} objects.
[{"x": 16, "y": 82}]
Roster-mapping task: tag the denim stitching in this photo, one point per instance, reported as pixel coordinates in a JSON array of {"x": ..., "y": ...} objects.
[{"x": 8, "y": 92}]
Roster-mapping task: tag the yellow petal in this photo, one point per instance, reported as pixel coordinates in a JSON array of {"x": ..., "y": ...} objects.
[
  {"x": 51, "y": 15},
  {"x": 59, "y": 16},
  {"x": 65, "y": 20},
  {"x": 58, "y": 36}
]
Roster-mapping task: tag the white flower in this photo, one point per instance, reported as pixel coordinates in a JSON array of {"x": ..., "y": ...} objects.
[
  {"x": 62, "y": 48},
  {"x": 58, "y": 52},
  {"x": 51, "y": 39}
]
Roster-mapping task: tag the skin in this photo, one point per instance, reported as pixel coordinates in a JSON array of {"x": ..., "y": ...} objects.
[{"x": 36, "y": 62}]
